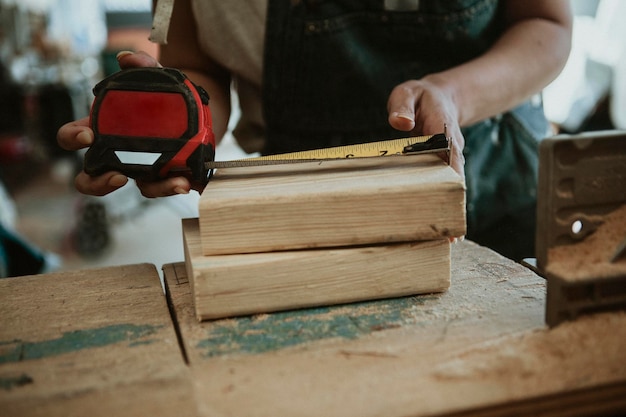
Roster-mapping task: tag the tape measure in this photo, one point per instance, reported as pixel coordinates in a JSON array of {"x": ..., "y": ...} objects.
[
  {"x": 404, "y": 146},
  {"x": 161, "y": 114},
  {"x": 152, "y": 112}
]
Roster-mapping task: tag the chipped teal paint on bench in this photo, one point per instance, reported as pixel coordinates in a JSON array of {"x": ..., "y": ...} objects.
[
  {"x": 489, "y": 294},
  {"x": 77, "y": 340},
  {"x": 269, "y": 332}
]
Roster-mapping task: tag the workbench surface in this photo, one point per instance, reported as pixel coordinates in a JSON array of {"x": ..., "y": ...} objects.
[{"x": 107, "y": 342}]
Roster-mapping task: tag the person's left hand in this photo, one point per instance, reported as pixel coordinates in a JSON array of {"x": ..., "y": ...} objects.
[{"x": 425, "y": 108}]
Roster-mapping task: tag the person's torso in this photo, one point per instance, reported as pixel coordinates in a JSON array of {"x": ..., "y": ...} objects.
[
  {"x": 329, "y": 66},
  {"x": 314, "y": 73}
]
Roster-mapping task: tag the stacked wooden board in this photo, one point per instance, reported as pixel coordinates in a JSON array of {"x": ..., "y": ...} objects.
[{"x": 280, "y": 237}]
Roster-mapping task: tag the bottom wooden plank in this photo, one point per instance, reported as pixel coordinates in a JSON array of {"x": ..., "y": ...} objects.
[
  {"x": 242, "y": 284},
  {"x": 90, "y": 343}
]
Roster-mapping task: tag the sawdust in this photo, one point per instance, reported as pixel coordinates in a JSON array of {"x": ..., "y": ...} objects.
[
  {"x": 582, "y": 352},
  {"x": 592, "y": 256}
]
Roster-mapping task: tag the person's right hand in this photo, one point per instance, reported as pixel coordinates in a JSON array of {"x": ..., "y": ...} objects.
[
  {"x": 77, "y": 135},
  {"x": 424, "y": 108}
]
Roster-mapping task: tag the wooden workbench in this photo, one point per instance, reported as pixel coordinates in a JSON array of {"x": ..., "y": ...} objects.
[
  {"x": 90, "y": 343},
  {"x": 102, "y": 342}
]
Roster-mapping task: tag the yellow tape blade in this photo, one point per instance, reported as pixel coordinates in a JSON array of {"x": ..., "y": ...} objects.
[{"x": 361, "y": 150}]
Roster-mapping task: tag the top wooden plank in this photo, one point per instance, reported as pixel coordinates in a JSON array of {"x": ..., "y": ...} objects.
[
  {"x": 331, "y": 203},
  {"x": 95, "y": 342}
]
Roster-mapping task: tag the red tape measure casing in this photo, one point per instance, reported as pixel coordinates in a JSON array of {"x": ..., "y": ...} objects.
[{"x": 157, "y": 111}]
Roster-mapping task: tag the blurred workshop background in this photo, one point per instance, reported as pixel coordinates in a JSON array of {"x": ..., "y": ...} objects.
[{"x": 52, "y": 52}]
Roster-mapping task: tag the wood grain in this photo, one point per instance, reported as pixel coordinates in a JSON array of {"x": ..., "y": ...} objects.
[
  {"x": 331, "y": 203},
  {"x": 94, "y": 342},
  {"x": 240, "y": 284},
  {"x": 576, "y": 369}
]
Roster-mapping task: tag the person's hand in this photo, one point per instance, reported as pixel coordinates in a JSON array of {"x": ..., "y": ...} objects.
[
  {"x": 77, "y": 135},
  {"x": 424, "y": 108}
]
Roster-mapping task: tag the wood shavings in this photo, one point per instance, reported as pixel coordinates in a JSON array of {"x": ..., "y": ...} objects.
[{"x": 592, "y": 256}]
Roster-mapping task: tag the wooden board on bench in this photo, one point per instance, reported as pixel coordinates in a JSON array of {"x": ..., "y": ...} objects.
[
  {"x": 240, "y": 284},
  {"x": 480, "y": 348},
  {"x": 94, "y": 342},
  {"x": 331, "y": 204}
]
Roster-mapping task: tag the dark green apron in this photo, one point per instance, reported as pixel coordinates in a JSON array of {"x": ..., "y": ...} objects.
[{"x": 329, "y": 67}]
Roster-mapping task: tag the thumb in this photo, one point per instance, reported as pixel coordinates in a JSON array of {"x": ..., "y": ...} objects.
[
  {"x": 401, "y": 108},
  {"x": 128, "y": 59}
]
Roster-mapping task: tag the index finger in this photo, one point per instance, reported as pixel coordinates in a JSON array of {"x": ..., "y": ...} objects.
[{"x": 75, "y": 135}]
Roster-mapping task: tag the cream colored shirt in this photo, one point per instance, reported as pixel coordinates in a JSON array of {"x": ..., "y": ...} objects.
[{"x": 232, "y": 33}]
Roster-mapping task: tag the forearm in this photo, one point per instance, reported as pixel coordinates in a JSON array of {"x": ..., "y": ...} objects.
[
  {"x": 219, "y": 102},
  {"x": 184, "y": 53},
  {"x": 529, "y": 55}
]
